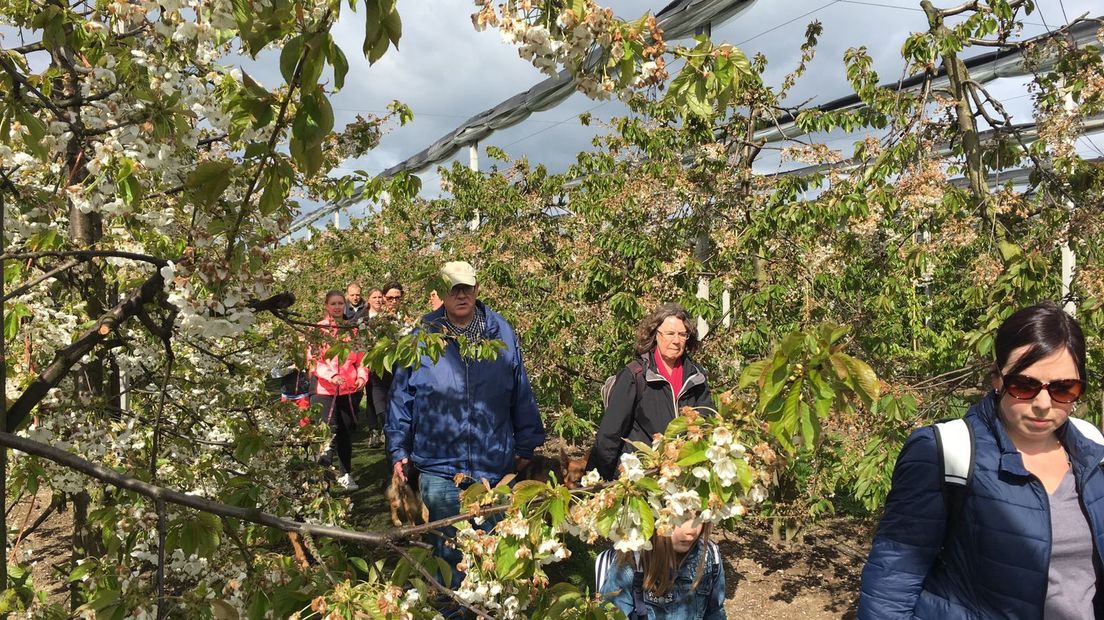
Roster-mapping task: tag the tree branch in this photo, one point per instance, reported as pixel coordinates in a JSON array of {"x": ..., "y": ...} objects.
[
  {"x": 421, "y": 570},
  {"x": 66, "y": 358},
  {"x": 281, "y": 123},
  {"x": 85, "y": 255},
  {"x": 159, "y": 493},
  {"x": 251, "y": 515},
  {"x": 42, "y": 278}
]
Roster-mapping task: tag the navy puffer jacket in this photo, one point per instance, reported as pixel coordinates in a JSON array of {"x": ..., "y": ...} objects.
[{"x": 996, "y": 556}]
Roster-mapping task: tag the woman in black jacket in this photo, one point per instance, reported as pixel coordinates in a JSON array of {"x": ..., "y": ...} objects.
[{"x": 650, "y": 391}]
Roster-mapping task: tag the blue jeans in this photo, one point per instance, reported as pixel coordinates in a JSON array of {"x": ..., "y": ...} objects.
[{"x": 442, "y": 498}]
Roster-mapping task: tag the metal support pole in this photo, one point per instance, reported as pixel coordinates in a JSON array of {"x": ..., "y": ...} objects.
[
  {"x": 726, "y": 307},
  {"x": 1069, "y": 259},
  {"x": 473, "y": 164}
]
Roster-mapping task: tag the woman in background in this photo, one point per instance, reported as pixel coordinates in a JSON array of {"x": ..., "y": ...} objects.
[
  {"x": 337, "y": 381},
  {"x": 649, "y": 392}
]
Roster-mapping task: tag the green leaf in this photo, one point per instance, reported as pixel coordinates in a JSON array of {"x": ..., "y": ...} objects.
[
  {"x": 691, "y": 454},
  {"x": 810, "y": 426},
  {"x": 752, "y": 373},
  {"x": 526, "y": 490},
  {"x": 339, "y": 63},
  {"x": 13, "y": 318},
  {"x": 1009, "y": 250},
  {"x": 255, "y": 149},
  {"x": 698, "y": 101},
  {"x": 80, "y": 571},
  {"x": 378, "y": 49},
  {"x": 209, "y": 180},
  {"x": 647, "y": 517},
  {"x": 866, "y": 382},
  {"x": 507, "y": 563},
  {"x": 393, "y": 25},
  {"x": 676, "y": 426},
  {"x": 360, "y": 564},
  {"x": 36, "y": 130},
  {"x": 103, "y": 598},
  {"x": 313, "y": 61},
  {"x": 289, "y": 57},
  {"x": 373, "y": 24},
  {"x": 557, "y": 509},
  {"x": 774, "y": 381},
  {"x": 606, "y": 519},
  {"x": 274, "y": 193}
]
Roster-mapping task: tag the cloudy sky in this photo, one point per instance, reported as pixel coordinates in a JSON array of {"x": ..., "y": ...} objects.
[{"x": 447, "y": 72}]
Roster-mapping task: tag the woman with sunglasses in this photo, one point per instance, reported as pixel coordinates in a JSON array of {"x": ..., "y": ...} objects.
[{"x": 1024, "y": 538}]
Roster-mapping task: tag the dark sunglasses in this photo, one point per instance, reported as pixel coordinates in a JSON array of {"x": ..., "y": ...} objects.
[
  {"x": 1026, "y": 388},
  {"x": 394, "y": 297}
]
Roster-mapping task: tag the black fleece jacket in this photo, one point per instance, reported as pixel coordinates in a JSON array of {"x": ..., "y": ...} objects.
[{"x": 637, "y": 414}]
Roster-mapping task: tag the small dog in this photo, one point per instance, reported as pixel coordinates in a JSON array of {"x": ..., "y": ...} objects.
[
  {"x": 574, "y": 468},
  {"x": 540, "y": 468},
  {"x": 405, "y": 498},
  {"x": 569, "y": 471}
]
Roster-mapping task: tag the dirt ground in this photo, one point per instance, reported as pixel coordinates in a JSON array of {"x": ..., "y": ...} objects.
[
  {"x": 49, "y": 546},
  {"x": 817, "y": 577}
]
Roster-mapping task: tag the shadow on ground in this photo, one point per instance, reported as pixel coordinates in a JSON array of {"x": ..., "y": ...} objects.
[{"x": 372, "y": 471}]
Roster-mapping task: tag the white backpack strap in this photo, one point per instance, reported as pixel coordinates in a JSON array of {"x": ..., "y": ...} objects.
[
  {"x": 1088, "y": 430},
  {"x": 601, "y": 566},
  {"x": 715, "y": 552},
  {"x": 956, "y": 450}
]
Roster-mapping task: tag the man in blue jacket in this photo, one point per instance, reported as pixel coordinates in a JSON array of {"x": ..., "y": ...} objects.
[{"x": 458, "y": 416}]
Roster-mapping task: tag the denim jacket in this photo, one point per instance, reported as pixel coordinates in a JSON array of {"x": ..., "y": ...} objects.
[{"x": 706, "y": 602}]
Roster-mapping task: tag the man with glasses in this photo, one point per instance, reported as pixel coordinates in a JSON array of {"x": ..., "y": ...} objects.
[{"x": 458, "y": 418}]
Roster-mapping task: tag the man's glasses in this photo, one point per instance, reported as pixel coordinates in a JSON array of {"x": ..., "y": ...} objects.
[
  {"x": 1022, "y": 387},
  {"x": 673, "y": 335},
  {"x": 393, "y": 297}
]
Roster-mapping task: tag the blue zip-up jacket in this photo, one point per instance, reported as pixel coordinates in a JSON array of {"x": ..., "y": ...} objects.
[
  {"x": 706, "y": 602},
  {"x": 464, "y": 416},
  {"x": 994, "y": 561}
]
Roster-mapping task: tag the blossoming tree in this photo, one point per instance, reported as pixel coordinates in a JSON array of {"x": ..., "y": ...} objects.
[{"x": 145, "y": 182}]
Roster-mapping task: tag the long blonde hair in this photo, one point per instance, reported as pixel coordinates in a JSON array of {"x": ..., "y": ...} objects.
[{"x": 661, "y": 563}]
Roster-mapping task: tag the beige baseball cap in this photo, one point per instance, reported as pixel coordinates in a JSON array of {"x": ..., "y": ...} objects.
[{"x": 457, "y": 272}]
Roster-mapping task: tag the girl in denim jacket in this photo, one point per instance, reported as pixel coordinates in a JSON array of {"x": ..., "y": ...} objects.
[{"x": 681, "y": 576}]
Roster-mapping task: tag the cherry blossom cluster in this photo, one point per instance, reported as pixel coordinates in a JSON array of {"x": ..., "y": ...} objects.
[
  {"x": 700, "y": 470},
  {"x": 592, "y": 44}
]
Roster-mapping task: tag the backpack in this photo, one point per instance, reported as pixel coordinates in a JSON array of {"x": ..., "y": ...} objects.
[
  {"x": 954, "y": 440},
  {"x": 607, "y": 386},
  {"x": 604, "y": 562}
]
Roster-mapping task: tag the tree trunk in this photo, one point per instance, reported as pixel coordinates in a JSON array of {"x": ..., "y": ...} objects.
[{"x": 958, "y": 76}]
